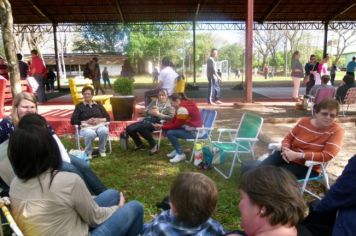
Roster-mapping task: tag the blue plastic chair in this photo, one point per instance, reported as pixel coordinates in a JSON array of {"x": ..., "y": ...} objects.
[{"x": 204, "y": 133}]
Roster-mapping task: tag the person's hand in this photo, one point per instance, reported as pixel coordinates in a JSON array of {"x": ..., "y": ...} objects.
[
  {"x": 157, "y": 126},
  {"x": 91, "y": 121},
  {"x": 154, "y": 112},
  {"x": 122, "y": 200},
  {"x": 290, "y": 155}
]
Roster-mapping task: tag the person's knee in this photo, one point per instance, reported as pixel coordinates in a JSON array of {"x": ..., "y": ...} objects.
[
  {"x": 114, "y": 194},
  {"x": 170, "y": 133},
  {"x": 89, "y": 134},
  {"x": 136, "y": 207}
]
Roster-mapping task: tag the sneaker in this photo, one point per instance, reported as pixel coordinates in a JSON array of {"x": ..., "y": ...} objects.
[
  {"x": 177, "y": 158},
  {"x": 172, "y": 154},
  {"x": 218, "y": 102},
  {"x": 102, "y": 154}
]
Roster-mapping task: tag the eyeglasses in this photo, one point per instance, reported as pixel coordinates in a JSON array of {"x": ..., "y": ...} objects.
[{"x": 326, "y": 114}]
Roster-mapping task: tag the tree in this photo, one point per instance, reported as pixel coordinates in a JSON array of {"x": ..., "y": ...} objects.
[
  {"x": 7, "y": 26},
  {"x": 345, "y": 39},
  {"x": 101, "y": 39},
  {"x": 233, "y": 53}
]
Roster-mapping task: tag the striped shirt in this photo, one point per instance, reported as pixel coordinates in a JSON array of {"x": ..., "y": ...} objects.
[{"x": 317, "y": 144}]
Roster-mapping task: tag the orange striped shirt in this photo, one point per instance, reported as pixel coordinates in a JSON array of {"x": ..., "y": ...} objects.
[{"x": 317, "y": 144}]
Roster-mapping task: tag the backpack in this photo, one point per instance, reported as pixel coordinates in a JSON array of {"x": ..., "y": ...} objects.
[{"x": 86, "y": 71}]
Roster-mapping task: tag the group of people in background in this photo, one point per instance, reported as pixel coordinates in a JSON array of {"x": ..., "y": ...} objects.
[{"x": 313, "y": 72}]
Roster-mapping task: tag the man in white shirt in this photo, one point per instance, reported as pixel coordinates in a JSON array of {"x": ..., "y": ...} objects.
[{"x": 167, "y": 80}]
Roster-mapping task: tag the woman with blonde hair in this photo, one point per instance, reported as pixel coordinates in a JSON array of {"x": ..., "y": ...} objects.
[{"x": 297, "y": 73}]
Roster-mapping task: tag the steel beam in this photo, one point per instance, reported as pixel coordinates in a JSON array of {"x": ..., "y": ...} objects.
[
  {"x": 248, "y": 51},
  {"x": 187, "y": 26}
]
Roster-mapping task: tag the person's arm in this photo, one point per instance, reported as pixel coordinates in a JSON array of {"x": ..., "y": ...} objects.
[
  {"x": 287, "y": 141},
  {"x": 6, "y": 128},
  {"x": 331, "y": 148},
  {"x": 178, "y": 121},
  {"x": 167, "y": 113},
  {"x": 149, "y": 108},
  {"x": 86, "y": 207},
  {"x": 104, "y": 113},
  {"x": 343, "y": 193},
  {"x": 62, "y": 150},
  {"x": 74, "y": 120}
]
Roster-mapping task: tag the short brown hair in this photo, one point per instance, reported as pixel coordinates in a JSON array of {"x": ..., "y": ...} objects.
[
  {"x": 277, "y": 191},
  {"x": 194, "y": 197},
  {"x": 330, "y": 104},
  {"x": 325, "y": 79},
  {"x": 88, "y": 87}
]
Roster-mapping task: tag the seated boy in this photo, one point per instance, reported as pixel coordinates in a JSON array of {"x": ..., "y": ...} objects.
[{"x": 193, "y": 198}]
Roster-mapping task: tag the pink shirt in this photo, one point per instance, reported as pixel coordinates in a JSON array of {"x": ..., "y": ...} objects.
[
  {"x": 37, "y": 66},
  {"x": 323, "y": 69}
]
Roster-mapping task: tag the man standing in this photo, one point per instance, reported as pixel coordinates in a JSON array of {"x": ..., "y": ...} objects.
[
  {"x": 167, "y": 80},
  {"x": 310, "y": 68},
  {"x": 350, "y": 68},
  {"x": 213, "y": 78},
  {"x": 95, "y": 75},
  {"x": 23, "y": 67},
  {"x": 38, "y": 71}
]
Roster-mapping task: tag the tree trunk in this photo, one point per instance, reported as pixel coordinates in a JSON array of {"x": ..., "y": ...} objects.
[{"x": 9, "y": 45}]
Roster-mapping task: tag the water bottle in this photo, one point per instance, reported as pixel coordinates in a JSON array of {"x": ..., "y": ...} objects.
[{"x": 198, "y": 154}]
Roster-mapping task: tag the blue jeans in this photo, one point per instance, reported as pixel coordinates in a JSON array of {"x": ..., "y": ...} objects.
[
  {"x": 300, "y": 171},
  {"x": 174, "y": 134},
  {"x": 41, "y": 95},
  {"x": 127, "y": 220},
  {"x": 214, "y": 90},
  {"x": 81, "y": 168},
  {"x": 90, "y": 134}
]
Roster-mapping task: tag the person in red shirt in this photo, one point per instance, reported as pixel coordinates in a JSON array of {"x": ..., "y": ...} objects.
[
  {"x": 38, "y": 71},
  {"x": 183, "y": 125}
]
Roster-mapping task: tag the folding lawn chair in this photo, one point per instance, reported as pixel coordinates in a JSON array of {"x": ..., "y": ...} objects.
[
  {"x": 240, "y": 140},
  {"x": 78, "y": 136},
  {"x": 310, "y": 164},
  {"x": 10, "y": 220},
  {"x": 204, "y": 133},
  {"x": 350, "y": 98}
]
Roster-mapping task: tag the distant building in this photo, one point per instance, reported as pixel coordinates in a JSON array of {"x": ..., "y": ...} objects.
[{"x": 75, "y": 62}]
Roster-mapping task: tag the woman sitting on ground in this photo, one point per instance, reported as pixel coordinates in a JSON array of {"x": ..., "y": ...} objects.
[
  {"x": 92, "y": 118},
  {"x": 46, "y": 201},
  {"x": 312, "y": 139},
  {"x": 183, "y": 125},
  {"x": 157, "y": 111},
  {"x": 25, "y": 104},
  {"x": 270, "y": 203}
]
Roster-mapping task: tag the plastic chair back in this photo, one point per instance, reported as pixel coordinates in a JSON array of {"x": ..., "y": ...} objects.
[
  {"x": 208, "y": 119},
  {"x": 250, "y": 126},
  {"x": 324, "y": 93},
  {"x": 350, "y": 97}
]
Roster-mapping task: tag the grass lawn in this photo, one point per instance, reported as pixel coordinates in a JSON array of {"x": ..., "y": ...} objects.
[{"x": 148, "y": 179}]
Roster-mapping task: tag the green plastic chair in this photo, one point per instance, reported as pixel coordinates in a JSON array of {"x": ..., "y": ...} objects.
[{"x": 240, "y": 140}]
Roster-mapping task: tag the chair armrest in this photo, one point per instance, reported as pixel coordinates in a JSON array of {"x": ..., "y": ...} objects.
[
  {"x": 313, "y": 163},
  {"x": 202, "y": 128},
  {"x": 227, "y": 130},
  {"x": 275, "y": 146},
  {"x": 246, "y": 139}
]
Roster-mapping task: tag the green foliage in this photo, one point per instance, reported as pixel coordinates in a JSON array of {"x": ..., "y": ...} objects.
[
  {"x": 101, "y": 39},
  {"x": 123, "y": 86},
  {"x": 234, "y": 53}
]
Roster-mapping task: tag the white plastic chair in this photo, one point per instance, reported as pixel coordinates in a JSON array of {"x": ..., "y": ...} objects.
[
  {"x": 310, "y": 164},
  {"x": 78, "y": 136}
]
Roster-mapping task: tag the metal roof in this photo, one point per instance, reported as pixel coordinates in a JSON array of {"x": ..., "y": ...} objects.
[{"x": 128, "y": 11}]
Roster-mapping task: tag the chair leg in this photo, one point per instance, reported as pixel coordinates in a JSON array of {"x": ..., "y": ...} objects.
[
  {"x": 306, "y": 180},
  {"x": 231, "y": 168},
  {"x": 110, "y": 146},
  {"x": 159, "y": 139}
]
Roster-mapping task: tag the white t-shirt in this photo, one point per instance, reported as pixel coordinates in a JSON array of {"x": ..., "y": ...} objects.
[{"x": 168, "y": 77}]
